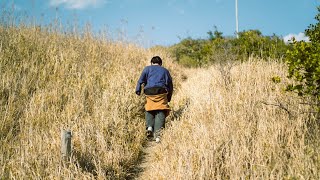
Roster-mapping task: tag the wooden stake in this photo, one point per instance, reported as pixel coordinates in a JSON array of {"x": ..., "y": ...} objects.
[{"x": 65, "y": 144}]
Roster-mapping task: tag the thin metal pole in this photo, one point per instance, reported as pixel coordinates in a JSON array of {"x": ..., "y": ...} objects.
[{"x": 237, "y": 22}]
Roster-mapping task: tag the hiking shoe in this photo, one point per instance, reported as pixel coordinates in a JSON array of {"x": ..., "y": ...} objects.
[
  {"x": 149, "y": 128},
  {"x": 157, "y": 139},
  {"x": 149, "y": 132}
]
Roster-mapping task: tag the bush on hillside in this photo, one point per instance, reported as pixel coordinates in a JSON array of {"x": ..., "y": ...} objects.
[
  {"x": 252, "y": 42},
  {"x": 201, "y": 52},
  {"x": 192, "y": 51},
  {"x": 303, "y": 60}
]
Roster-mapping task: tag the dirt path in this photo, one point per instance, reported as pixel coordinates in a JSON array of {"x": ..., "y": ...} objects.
[
  {"x": 147, "y": 156},
  {"x": 144, "y": 161}
]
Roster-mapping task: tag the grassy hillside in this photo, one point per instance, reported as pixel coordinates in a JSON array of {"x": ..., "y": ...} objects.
[
  {"x": 225, "y": 124},
  {"x": 235, "y": 125},
  {"x": 51, "y": 82}
]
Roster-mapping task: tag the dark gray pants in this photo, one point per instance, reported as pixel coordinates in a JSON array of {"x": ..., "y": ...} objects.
[{"x": 156, "y": 120}]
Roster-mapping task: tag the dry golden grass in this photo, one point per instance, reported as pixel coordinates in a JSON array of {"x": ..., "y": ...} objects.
[
  {"x": 51, "y": 82},
  {"x": 227, "y": 131},
  {"x": 218, "y": 130}
]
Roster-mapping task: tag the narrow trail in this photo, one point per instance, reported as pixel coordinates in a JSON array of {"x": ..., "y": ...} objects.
[
  {"x": 146, "y": 159},
  {"x": 147, "y": 152}
]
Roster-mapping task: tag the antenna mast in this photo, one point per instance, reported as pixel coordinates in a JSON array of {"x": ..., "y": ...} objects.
[{"x": 237, "y": 23}]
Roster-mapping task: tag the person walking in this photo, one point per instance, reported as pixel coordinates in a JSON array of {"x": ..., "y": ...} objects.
[{"x": 158, "y": 88}]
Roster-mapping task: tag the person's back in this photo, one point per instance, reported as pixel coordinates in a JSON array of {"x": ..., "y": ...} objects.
[
  {"x": 157, "y": 76},
  {"x": 156, "y": 80},
  {"x": 158, "y": 88}
]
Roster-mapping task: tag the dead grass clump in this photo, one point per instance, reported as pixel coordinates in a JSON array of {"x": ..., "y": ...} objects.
[
  {"x": 229, "y": 133},
  {"x": 51, "y": 82}
]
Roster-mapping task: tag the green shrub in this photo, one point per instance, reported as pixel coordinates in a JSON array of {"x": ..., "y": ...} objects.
[
  {"x": 193, "y": 49},
  {"x": 303, "y": 60},
  {"x": 200, "y": 52},
  {"x": 187, "y": 61}
]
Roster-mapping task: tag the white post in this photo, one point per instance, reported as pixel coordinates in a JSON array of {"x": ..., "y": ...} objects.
[
  {"x": 65, "y": 144},
  {"x": 237, "y": 23}
]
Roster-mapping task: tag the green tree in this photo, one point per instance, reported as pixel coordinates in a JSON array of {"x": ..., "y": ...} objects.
[
  {"x": 199, "y": 52},
  {"x": 303, "y": 60},
  {"x": 252, "y": 42},
  {"x": 190, "y": 51},
  {"x": 215, "y": 34}
]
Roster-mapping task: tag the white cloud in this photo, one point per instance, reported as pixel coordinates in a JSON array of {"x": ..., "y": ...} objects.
[
  {"x": 77, "y": 4},
  {"x": 298, "y": 37}
]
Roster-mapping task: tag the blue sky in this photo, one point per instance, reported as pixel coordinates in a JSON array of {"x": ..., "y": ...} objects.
[{"x": 165, "y": 22}]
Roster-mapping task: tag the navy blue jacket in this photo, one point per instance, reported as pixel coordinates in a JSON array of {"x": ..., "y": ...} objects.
[{"x": 155, "y": 76}]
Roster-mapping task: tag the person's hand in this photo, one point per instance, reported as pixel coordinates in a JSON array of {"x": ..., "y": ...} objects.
[{"x": 138, "y": 93}]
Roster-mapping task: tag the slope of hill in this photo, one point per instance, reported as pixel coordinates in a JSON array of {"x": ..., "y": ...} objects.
[
  {"x": 50, "y": 82},
  {"x": 228, "y": 121},
  {"x": 237, "y": 124}
]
